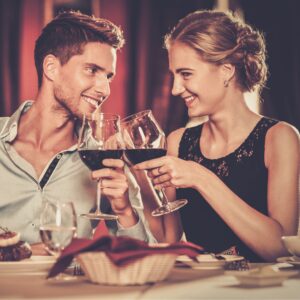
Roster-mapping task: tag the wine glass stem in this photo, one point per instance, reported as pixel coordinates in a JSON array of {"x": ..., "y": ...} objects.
[
  {"x": 163, "y": 197},
  {"x": 98, "y": 200}
]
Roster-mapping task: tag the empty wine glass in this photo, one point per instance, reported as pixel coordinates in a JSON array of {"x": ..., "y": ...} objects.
[
  {"x": 99, "y": 139},
  {"x": 145, "y": 140},
  {"x": 58, "y": 225}
]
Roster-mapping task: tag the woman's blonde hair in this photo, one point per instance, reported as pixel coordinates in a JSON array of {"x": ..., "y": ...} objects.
[{"x": 221, "y": 38}]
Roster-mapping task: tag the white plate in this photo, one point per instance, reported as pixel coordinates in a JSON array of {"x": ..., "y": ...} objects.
[
  {"x": 207, "y": 261},
  {"x": 257, "y": 278},
  {"x": 295, "y": 261},
  {"x": 30, "y": 265}
]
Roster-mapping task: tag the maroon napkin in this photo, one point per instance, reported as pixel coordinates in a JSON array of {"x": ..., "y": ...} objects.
[{"x": 120, "y": 250}]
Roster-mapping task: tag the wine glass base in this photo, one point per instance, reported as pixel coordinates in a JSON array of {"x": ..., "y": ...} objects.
[
  {"x": 62, "y": 277},
  {"x": 99, "y": 216},
  {"x": 169, "y": 207}
]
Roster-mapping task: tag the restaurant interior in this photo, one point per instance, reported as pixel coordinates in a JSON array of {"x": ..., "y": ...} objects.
[{"x": 143, "y": 82}]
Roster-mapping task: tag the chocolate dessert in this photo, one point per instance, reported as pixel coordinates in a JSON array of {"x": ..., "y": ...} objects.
[{"x": 11, "y": 248}]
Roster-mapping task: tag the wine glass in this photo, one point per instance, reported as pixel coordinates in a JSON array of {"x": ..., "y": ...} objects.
[
  {"x": 58, "y": 225},
  {"x": 99, "y": 139},
  {"x": 145, "y": 140}
]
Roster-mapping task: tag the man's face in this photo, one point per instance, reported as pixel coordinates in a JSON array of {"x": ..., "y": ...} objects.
[{"x": 84, "y": 81}]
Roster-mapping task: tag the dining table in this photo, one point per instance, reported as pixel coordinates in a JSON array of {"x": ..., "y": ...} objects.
[{"x": 182, "y": 283}]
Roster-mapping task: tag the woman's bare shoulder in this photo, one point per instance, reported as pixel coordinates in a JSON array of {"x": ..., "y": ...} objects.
[
  {"x": 282, "y": 138},
  {"x": 173, "y": 141},
  {"x": 283, "y": 130}
]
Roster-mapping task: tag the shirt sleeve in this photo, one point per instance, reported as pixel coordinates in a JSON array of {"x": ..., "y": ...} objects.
[
  {"x": 141, "y": 229},
  {"x": 138, "y": 231}
]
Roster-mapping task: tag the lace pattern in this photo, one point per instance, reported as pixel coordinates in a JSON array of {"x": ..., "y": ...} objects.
[{"x": 221, "y": 166}]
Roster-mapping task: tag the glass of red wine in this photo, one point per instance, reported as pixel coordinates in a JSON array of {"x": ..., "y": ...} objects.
[
  {"x": 99, "y": 138},
  {"x": 144, "y": 140}
]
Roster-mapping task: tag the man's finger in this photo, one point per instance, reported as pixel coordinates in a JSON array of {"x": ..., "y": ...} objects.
[{"x": 113, "y": 163}]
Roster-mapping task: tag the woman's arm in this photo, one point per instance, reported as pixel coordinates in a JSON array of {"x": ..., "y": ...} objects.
[
  {"x": 260, "y": 232},
  {"x": 172, "y": 222},
  {"x": 167, "y": 228}
]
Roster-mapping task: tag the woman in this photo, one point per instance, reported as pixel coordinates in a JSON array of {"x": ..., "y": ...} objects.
[{"x": 239, "y": 170}]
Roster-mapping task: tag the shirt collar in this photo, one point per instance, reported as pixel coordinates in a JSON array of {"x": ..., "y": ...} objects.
[{"x": 10, "y": 129}]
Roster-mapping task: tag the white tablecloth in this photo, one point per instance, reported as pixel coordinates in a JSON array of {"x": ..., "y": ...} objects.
[{"x": 181, "y": 284}]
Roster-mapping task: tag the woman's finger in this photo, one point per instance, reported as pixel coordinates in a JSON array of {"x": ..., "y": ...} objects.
[
  {"x": 161, "y": 179},
  {"x": 156, "y": 172},
  {"x": 149, "y": 164},
  {"x": 166, "y": 184}
]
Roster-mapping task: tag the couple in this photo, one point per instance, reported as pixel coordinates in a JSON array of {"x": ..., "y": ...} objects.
[{"x": 239, "y": 170}]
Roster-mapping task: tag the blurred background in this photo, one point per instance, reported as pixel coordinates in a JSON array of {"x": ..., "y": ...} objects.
[{"x": 143, "y": 80}]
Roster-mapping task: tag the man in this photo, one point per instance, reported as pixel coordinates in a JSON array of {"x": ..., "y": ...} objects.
[{"x": 75, "y": 58}]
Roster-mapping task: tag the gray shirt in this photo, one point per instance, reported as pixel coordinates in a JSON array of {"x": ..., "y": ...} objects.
[{"x": 65, "y": 178}]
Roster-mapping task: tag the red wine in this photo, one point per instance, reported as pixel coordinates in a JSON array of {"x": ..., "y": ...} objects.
[
  {"x": 93, "y": 158},
  {"x": 136, "y": 156}
]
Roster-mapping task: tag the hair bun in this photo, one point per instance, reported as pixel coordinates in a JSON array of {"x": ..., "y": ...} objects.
[
  {"x": 250, "y": 41},
  {"x": 251, "y": 44}
]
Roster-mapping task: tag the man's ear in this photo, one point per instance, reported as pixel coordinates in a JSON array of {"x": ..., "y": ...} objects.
[
  {"x": 228, "y": 72},
  {"x": 51, "y": 66}
]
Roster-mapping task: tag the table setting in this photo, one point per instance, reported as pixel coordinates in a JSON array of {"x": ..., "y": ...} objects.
[{"x": 123, "y": 268}]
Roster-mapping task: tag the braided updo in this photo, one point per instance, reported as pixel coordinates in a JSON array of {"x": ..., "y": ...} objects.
[{"x": 221, "y": 38}]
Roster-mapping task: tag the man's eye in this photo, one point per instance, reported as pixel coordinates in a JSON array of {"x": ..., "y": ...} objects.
[
  {"x": 110, "y": 78},
  {"x": 92, "y": 70}
]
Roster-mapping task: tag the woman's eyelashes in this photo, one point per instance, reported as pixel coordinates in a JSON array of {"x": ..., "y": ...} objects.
[{"x": 185, "y": 75}]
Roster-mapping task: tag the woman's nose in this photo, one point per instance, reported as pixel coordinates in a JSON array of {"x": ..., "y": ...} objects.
[{"x": 177, "y": 88}]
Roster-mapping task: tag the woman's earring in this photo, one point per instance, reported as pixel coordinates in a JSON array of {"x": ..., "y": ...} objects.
[{"x": 226, "y": 83}]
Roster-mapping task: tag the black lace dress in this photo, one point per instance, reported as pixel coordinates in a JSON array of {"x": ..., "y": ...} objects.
[{"x": 243, "y": 171}]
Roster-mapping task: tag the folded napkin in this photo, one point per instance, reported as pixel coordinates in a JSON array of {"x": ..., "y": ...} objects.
[{"x": 121, "y": 250}]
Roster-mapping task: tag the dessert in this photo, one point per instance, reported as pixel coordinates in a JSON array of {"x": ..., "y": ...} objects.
[{"x": 11, "y": 248}]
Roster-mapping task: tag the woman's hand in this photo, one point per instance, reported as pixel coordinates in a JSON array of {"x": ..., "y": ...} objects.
[
  {"x": 114, "y": 186},
  {"x": 171, "y": 171}
]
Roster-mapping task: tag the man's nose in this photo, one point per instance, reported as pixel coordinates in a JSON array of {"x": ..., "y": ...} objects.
[
  {"x": 178, "y": 87},
  {"x": 102, "y": 86}
]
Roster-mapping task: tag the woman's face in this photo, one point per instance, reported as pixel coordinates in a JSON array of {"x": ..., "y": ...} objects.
[{"x": 198, "y": 83}]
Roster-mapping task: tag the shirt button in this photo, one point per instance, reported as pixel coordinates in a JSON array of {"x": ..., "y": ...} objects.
[{"x": 58, "y": 156}]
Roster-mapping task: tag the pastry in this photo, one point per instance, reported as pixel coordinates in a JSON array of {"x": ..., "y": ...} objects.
[{"x": 11, "y": 248}]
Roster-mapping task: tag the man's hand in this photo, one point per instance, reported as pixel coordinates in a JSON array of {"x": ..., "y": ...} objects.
[{"x": 114, "y": 186}]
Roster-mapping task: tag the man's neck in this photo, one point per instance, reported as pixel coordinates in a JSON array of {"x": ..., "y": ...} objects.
[{"x": 46, "y": 126}]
